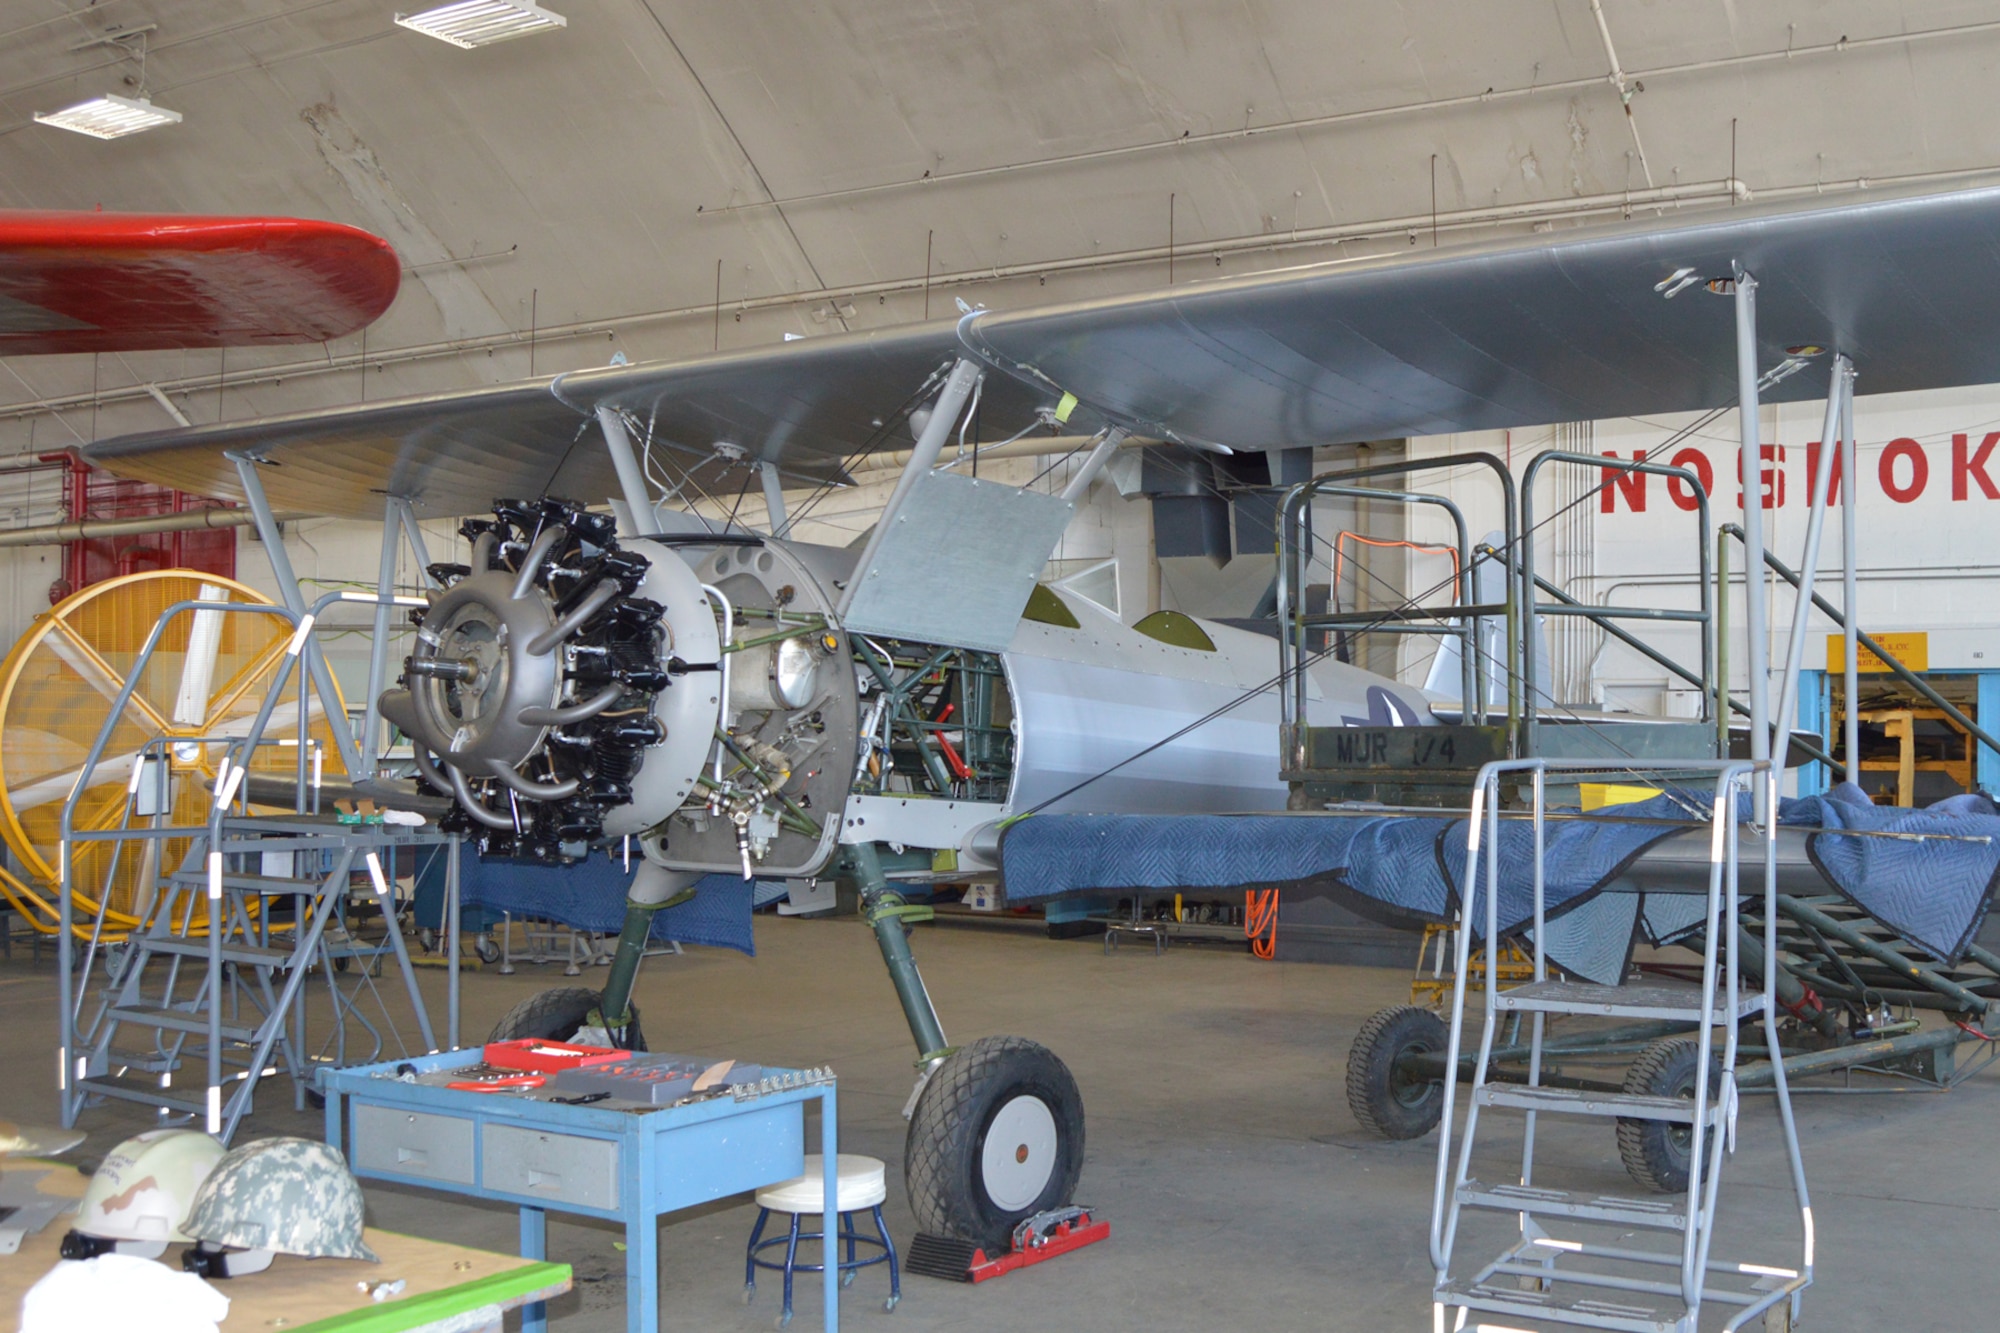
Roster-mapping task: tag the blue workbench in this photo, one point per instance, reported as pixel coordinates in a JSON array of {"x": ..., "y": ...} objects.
[{"x": 626, "y": 1166}]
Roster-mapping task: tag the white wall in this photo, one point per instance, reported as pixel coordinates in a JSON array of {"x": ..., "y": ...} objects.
[{"x": 1928, "y": 555}]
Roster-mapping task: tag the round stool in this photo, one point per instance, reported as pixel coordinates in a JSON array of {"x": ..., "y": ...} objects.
[{"x": 861, "y": 1185}]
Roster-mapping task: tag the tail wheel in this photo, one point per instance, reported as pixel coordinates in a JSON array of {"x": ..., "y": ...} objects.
[
  {"x": 1655, "y": 1152},
  {"x": 996, "y": 1138},
  {"x": 1382, "y": 1093},
  {"x": 558, "y": 1015}
]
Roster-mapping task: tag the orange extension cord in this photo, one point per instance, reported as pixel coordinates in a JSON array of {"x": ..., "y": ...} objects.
[{"x": 1260, "y": 921}]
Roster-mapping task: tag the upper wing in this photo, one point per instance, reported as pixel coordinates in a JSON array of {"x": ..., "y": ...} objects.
[
  {"x": 127, "y": 282},
  {"x": 807, "y": 405},
  {"x": 1533, "y": 331},
  {"x": 1518, "y": 333}
]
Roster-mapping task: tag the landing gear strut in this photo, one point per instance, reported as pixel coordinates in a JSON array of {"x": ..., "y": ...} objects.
[{"x": 996, "y": 1127}]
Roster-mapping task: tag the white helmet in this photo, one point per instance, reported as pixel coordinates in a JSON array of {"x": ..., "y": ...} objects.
[{"x": 136, "y": 1201}]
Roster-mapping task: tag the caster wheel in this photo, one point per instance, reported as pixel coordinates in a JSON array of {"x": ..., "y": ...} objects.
[
  {"x": 889, "y": 1305},
  {"x": 749, "y": 1293},
  {"x": 847, "y": 1279},
  {"x": 785, "y": 1319},
  {"x": 487, "y": 949},
  {"x": 1383, "y": 1098}
]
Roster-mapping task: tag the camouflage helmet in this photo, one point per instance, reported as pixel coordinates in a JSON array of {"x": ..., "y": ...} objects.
[
  {"x": 140, "y": 1193},
  {"x": 291, "y": 1195}
]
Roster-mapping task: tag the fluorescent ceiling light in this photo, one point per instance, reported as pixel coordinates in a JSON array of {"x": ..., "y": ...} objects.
[
  {"x": 110, "y": 117},
  {"x": 471, "y": 23}
]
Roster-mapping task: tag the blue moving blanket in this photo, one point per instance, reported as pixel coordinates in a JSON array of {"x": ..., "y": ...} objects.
[
  {"x": 590, "y": 895},
  {"x": 1411, "y": 868}
]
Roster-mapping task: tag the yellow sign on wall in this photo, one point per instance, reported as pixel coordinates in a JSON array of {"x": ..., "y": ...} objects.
[{"x": 1912, "y": 649}]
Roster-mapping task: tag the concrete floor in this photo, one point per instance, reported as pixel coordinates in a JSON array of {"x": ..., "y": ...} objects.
[{"x": 1240, "y": 1191}]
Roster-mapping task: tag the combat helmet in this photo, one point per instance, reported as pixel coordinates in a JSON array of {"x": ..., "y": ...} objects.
[
  {"x": 275, "y": 1196},
  {"x": 140, "y": 1193}
]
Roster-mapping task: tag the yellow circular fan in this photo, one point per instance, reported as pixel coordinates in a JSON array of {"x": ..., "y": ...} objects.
[{"x": 204, "y": 681}]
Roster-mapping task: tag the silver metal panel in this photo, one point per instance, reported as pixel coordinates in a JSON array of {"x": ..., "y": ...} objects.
[
  {"x": 914, "y": 821},
  {"x": 1088, "y": 700},
  {"x": 1532, "y": 330},
  {"x": 806, "y": 405},
  {"x": 562, "y": 1168},
  {"x": 958, "y": 562},
  {"x": 413, "y": 1143}
]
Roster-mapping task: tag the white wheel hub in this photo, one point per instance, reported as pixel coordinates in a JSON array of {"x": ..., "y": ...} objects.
[{"x": 1020, "y": 1153}]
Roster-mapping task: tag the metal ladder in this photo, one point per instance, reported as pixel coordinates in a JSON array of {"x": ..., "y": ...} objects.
[
  {"x": 1587, "y": 1280},
  {"x": 207, "y": 978}
]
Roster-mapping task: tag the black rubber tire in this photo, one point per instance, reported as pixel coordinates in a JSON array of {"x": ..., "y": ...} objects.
[
  {"x": 947, "y": 1138},
  {"x": 1655, "y": 1153},
  {"x": 555, "y": 1015},
  {"x": 1384, "y": 1102}
]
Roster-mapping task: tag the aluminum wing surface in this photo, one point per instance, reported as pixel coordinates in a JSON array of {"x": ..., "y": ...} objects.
[
  {"x": 1531, "y": 332},
  {"x": 125, "y": 282},
  {"x": 807, "y": 405}
]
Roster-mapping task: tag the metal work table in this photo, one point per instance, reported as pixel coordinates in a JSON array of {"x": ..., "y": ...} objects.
[{"x": 621, "y": 1161}]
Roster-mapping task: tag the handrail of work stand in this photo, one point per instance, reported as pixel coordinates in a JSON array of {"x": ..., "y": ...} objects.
[
  {"x": 1295, "y": 558},
  {"x": 231, "y": 775},
  {"x": 1605, "y": 616}
]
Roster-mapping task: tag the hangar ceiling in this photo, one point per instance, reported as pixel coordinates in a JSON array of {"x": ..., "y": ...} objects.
[{"x": 664, "y": 176}]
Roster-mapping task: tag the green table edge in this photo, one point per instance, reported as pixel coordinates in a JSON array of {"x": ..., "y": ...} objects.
[{"x": 395, "y": 1316}]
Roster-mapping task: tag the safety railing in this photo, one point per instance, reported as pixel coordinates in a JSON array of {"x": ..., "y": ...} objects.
[
  {"x": 1459, "y": 618},
  {"x": 1607, "y": 617}
]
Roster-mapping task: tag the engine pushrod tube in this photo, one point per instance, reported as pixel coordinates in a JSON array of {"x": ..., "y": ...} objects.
[
  {"x": 473, "y": 805},
  {"x": 572, "y": 714},
  {"x": 552, "y": 637},
  {"x": 528, "y": 787}
]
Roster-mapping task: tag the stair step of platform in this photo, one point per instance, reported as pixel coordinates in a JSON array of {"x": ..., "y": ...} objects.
[
  {"x": 1638, "y": 999},
  {"x": 1586, "y": 1308},
  {"x": 1663, "y": 1213},
  {"x": 254, "y": 955},
  {"x": 265, "y": 885},
  {"x": 146, "y": 1094},
  {"x": 179, "y": 1020},
  {"x": 1566, "y": 1101}
]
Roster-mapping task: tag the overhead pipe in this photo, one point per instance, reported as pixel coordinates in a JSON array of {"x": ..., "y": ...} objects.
[
  {"x": 1624, "y": 82},
  {"x": 192, "y": 520}
]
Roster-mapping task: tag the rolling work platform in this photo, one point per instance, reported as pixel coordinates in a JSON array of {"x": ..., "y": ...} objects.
[
  {"x": 1597, "y": 1279},
  {"x": 209, "y": 993}
]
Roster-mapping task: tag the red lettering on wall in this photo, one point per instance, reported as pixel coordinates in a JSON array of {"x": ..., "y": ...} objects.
[
  {"x": 1695, "y": 461},
  {"x": 1771, "y": 480},
  {"x": 1812, "y": 472},
  {"x": 1920, "y": 470},
  {"x": 1632, "y": 484},
  {"x": 1973, "y": 467}
]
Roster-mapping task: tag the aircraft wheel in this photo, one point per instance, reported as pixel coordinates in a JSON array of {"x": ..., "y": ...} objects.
[
  {"x": 1387, "y": 1101},
  {"x": 556, "y": 1015},
  {"x": 1654, "y": 1152},
  {"x": 997, "y": 1137}
]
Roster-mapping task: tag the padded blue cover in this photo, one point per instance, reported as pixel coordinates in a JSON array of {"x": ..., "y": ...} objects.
[
  {"x": 1412, "y": 867},
  {"x": 590, "y": 895}
]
